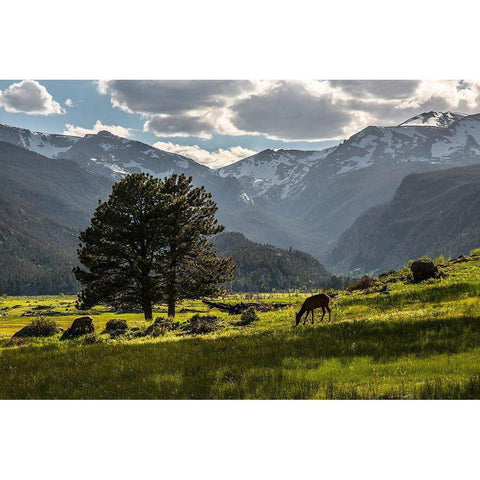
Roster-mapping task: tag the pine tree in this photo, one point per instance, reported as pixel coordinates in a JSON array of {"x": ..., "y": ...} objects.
[
  {"x": 149, "y": 244},
  {"x": 192, "y": 267}
]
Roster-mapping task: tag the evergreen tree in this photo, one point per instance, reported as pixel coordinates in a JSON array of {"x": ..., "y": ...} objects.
[{"x": 149, "y": 243}]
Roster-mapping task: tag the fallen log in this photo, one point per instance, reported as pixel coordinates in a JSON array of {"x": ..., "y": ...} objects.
[{"x": 238, "y": 308}]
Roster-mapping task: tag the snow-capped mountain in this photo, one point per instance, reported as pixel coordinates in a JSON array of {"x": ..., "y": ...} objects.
[
  {"x": 114, "y": 157},
  {"x": 47, "y": 144},
  {"x": 103, "y": 152},
  {"x": 366, "y": 169},
  {"x": 304, "y": 199},
  {"x": 273, "y": 173},
  {"x": 432, "y": 119}
]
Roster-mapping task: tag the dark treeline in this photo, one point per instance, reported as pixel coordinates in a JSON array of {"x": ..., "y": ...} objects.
[{"x": 265, "y": 268}]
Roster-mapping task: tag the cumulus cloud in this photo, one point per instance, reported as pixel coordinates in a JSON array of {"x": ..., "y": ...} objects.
[
  {"x": 179, "y": 126},
  {"x": 30, "y": 97},
  {"x": 380, "y": 89},
  {"x": 295, "y": 110},
  {"x": 311, "y": 110},
  {"x": 98, "y": 127},
  {"x": 69, "y": 102},
  {"x": 171, "y": 96},
  {"x": 215, "y": 159}
]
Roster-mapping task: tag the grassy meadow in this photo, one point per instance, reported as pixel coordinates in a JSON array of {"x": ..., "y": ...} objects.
[{"x": 420, "y": 341}]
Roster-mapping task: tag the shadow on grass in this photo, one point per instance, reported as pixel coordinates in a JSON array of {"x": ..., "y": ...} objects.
[
  {"x": 226, "y": 367},
  {"x": 429, "y": 293}
]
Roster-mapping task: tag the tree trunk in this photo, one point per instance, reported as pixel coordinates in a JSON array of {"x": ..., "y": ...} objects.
[
  {"x": 147, "y": 311},
  {"x": 171, "y": 306}
]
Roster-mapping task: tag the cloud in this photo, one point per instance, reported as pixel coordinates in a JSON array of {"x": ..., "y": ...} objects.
[
  {"x": 180, "y": 107},
  {"x": 69, "y": 102},
  {"x": 294, "y": 111},
  {"x": 215, "y": 159},
  {"x": 98, "y": 127},
  {"x": 179, "y": 126},
  {"x": 440, "y": 94},
  {"x": 383, "y": 89},
  {"x": 152, "y": 97},
  {"x": 30, "y": 97},
  {"x": 312, "y": 110}
]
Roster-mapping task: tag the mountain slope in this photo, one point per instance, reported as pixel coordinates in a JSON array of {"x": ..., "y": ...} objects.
[
  {"x": 433, "y": 119},
  {"x": 265, "y": 268},
  {"x": 305, "y": 199},
  {"x": 430, "y": 214},
  {"x": 43, "y": 205}
]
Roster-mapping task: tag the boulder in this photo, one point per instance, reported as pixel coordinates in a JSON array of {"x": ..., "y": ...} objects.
[
  {"x": 423, "y": 270},
  {"x": 80, "y": 326}
]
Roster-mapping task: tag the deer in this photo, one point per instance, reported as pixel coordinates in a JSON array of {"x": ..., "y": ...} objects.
[{"x": 310, "y": 304}]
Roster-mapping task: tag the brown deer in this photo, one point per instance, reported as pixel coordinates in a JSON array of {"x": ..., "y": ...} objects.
[{"x": 311, "y": 303}]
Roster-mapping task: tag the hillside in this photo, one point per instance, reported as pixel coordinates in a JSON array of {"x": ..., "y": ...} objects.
[
  {"x": 265, "y": 268},
  {"x": 430, "y": 214},
  {"x": 43, "y": 205}
]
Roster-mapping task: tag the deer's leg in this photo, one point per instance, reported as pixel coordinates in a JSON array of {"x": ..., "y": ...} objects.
[
  {"x": 305, "y": 319},
  {"x": 312, "y": 317},
  {"x": 329, "y": 314},
  {"x": 323, "y": 310}
]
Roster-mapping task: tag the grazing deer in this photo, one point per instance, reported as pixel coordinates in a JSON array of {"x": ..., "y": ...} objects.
[{"x": 311, "y": 303}]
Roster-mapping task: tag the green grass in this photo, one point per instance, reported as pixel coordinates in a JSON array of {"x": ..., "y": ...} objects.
[{"x": 421, "y": 341}]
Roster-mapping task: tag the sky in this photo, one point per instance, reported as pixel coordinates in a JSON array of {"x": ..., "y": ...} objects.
[{"x": 217, "y": 122}]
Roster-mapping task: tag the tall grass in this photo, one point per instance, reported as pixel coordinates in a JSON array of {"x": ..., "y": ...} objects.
[{"x": 421, "y": 341}]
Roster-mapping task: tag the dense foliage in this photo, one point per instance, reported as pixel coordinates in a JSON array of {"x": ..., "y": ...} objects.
[{"x": 265, "y": 268}]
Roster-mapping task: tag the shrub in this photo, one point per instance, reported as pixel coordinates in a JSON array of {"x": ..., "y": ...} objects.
[
  {"x": 387, "y": 274},
  {"x": 248, "y": 316},
  {"x": 16, "y": 342},
  {"x": 362, "y": 283},
  {"x": 161, "y": 326},
  {"x": 201, "y": 324},
  {"x": 115, "y": 324},
  {"x": 40, "y": 327},
  {"x": 475, "y": 251},
  {"x": 91, "y": 339}
]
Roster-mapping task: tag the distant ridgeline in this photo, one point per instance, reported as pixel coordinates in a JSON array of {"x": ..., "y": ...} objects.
[{"x": 265, "y": 268}]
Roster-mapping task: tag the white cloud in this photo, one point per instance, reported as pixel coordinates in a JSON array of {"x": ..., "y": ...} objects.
[
  {"x": 69, "y": 102},
  {"x": 30, "y": 97},
  {"x": 215, "y": 159},
  {"x": 452, "y": 93},
  {"x": 312, "y": 110},
  {"x": 98, "y": 127}
]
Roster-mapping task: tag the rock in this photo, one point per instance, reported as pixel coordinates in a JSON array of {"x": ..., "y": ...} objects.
[
  {"x": 423, "y": 270},
  {"x": 80, "y": 326}
]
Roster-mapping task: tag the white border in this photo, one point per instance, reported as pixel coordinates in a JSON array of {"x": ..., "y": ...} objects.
[{"x": 248, "y": 39}]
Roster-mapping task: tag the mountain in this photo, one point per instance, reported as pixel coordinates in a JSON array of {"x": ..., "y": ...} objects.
[
  {"x": 265, "y": 268},
  {"x": 303, "y": 199},
  {"x": 43, "y": 205},
  {"x": 433, "y": 119},
  {"x": 273, "y": 174},
  {"x": 430, "y": 214},
  {"x": 320, "y": 194}
]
